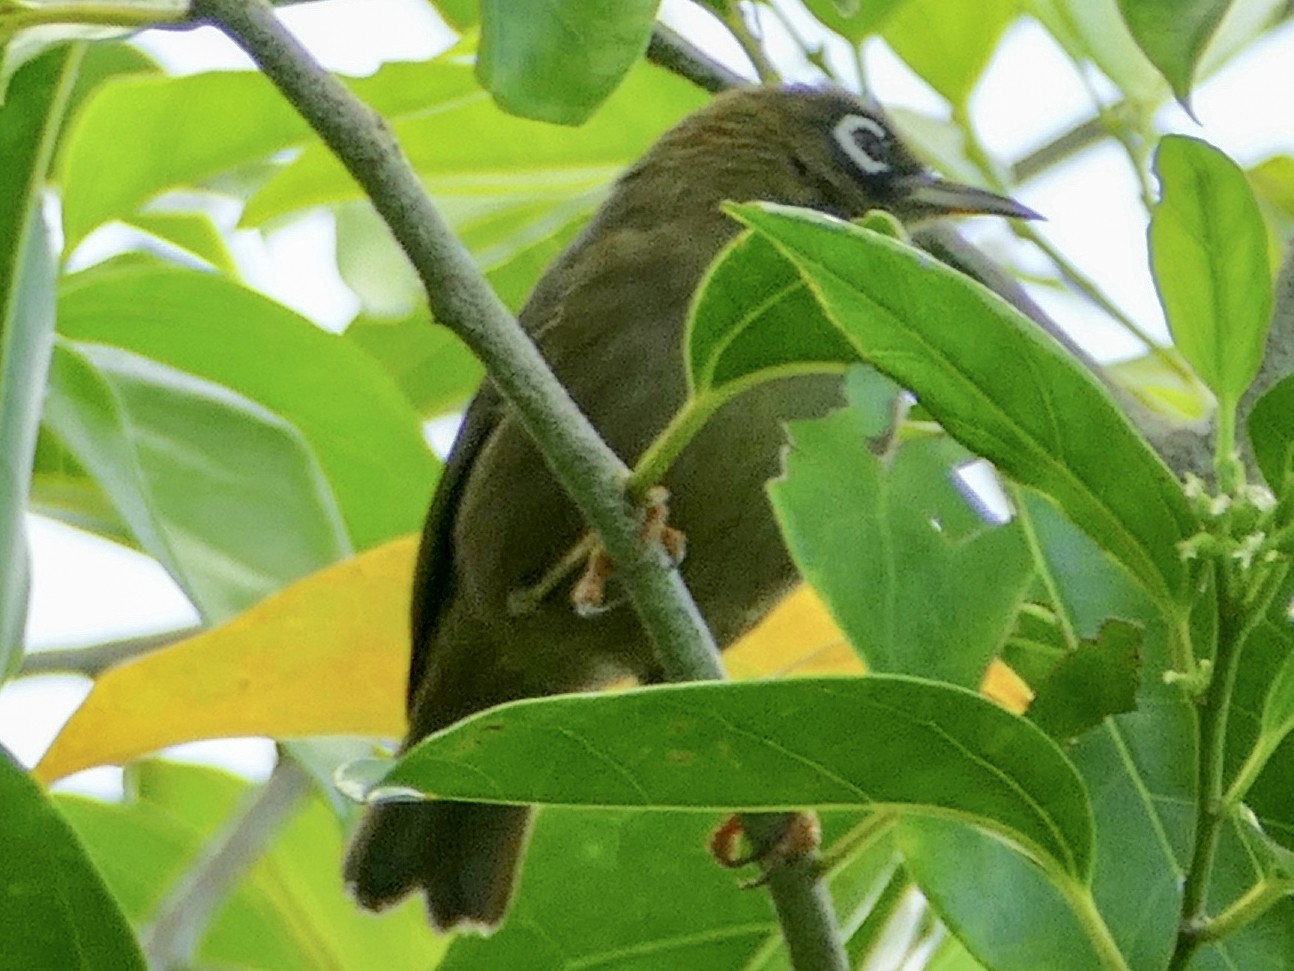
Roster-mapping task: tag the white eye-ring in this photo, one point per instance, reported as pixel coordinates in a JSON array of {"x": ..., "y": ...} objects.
[{"x": 847, "y": 133}]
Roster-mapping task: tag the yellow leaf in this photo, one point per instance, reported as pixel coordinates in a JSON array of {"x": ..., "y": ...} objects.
[
  {"x": 327, "y": 655},
  {"x": 799, "y": 638}
]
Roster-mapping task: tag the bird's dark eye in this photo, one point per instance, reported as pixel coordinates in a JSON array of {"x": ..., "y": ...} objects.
[{"x": 863, "y": 140}]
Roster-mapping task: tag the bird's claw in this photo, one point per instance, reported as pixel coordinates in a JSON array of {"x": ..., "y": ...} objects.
[
  {"x": 588, "y": 594},
  {"x": 799, "y": 840}
]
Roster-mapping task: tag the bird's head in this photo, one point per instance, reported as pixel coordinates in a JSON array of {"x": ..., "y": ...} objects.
[{"x": 822, "y": 148}]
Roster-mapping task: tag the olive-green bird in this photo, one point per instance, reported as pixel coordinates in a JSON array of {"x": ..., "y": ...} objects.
[{"x": 609, "y": 316}]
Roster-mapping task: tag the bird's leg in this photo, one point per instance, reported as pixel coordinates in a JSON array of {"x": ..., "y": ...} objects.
[
  {"x": 799, "y": 839},
  {"x": 588, "y": 595},
  {"x": 525, "y": 600}
]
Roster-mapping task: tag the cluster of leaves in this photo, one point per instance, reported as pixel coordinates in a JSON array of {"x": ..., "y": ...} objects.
[{"x": 276, "y": 471}]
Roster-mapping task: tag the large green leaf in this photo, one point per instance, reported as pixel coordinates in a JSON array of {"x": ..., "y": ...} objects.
[
  {"x": 1208, "y": 249},
  {"x": 1272, "y": 434},
  {"x": 1263, "y": 945},
  {"x": 367, "y": 440},
  {"x": 1258, "y": 736},
  {"x": 187, "y": 129},
  {"x": 755, "y": 317},
  {"x": 915, "y": 579},
  {"x": 1010, "y": 916},
  {"x": 29, "y": 123},
  {"x": 434, "y": 368},
  {"x": 1092, "y": 30},
  {"x": 637, "y": 891},
  {"x": 948, "y": 44},
  {"x": 997, "y": 384},
  {"x": 55, "y": 912},
  {"x": 227, "y": 496},
  {"x": 193, "y": 233},
  {"x": 1140, "y": 767},
  {"x": 507, "y": 158},
  {"x": 1174, "y": 34},
  {"x": 182, "y": 130},
  {"x": 562, "y": 59},
  {"x": 875, "y": 741},
  {"x": 1097, "y": 679},
  {"x": 61, "y": 489},
  {"x": 289, "y": 913},
  {"x": 853, "y": 19}
]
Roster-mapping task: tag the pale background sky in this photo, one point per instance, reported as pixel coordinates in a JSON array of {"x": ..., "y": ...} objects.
[{"x": 86, "y": 590}]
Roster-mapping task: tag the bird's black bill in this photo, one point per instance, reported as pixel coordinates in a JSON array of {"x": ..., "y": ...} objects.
[{"x": 930, "y": 196}]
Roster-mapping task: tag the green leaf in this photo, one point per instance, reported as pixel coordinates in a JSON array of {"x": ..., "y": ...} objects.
[
  {"x": 29, "y": 124},
  {"x": 1208, "y": 250},
  {"x": 1092, "y": 30},
  {"x": 55, "y": 912},
  {"x": 372, "y": 264},
  {"x": 1036, "y": 644},
  {"x": 514, "y": 240},
  {"x": 1001, "y": 907},
  {"x": 1098, "y": 679},
  {"x": 105, "y": 175},
  {"x": 507, "y": 158},
  {"x": 289, "y": 913},
  {"x": 1274, "y": 861},
  {"x": 853, "y": 19},
  {"x": 679, "y": 909},
  {"x": 1265, "y": 944},
  {"x": 918, "y": 583},
  {"x": 227, "y": 496},
  {"x": 1271, "y": 432},
  {"x": 997, "y": 384},
  {"x": 875, "y": 741},
  {"x": 1139, "y": 768},
  {"x": 1259, "y": 740},
  {"x": 754, "y": 318},
  {"x": 434, "y": 368},
  {"x": 948, "y": 45},
  {"x": 184, "y": 130},
  {"x": 1278, "y": 708},
  {"x": 1165, "y": 389},
  {"x": 562, "y": 59},
  {"x": 192, "y": 232},
  {"x": 459, "y": 14},
  {"x": 636, "y": 908},
  {"x": 63, "y": 490},
  {"x": 367, "y": 441},
  {"x": 1272, "y": 179},
  {"x": 1174, "y": 34}
]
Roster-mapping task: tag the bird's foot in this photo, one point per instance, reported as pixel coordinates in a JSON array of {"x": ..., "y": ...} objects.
[
  {"x": 588, "y": 594},
  {"x": 799, "y": 840}
]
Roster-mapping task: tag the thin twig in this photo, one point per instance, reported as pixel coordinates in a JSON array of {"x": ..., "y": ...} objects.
[
  {"x": 1063, "y": 146},
  {"x": 735, "y": 21},
  {"x": 171, "y": 938},
  {"x": 674, "y": 52},
  {"x": 93, "y": 659}
]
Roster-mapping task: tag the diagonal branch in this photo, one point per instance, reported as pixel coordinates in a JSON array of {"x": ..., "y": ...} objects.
[
  {"x": 172, "y": 937},
  {"x": 674, "y": 52}
]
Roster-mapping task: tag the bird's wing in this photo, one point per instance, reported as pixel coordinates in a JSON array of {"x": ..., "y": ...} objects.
[{"x": 433, "y": 575}]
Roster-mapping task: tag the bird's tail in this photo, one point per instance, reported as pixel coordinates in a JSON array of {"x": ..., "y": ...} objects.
[{"x": 462, "y": 855}]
